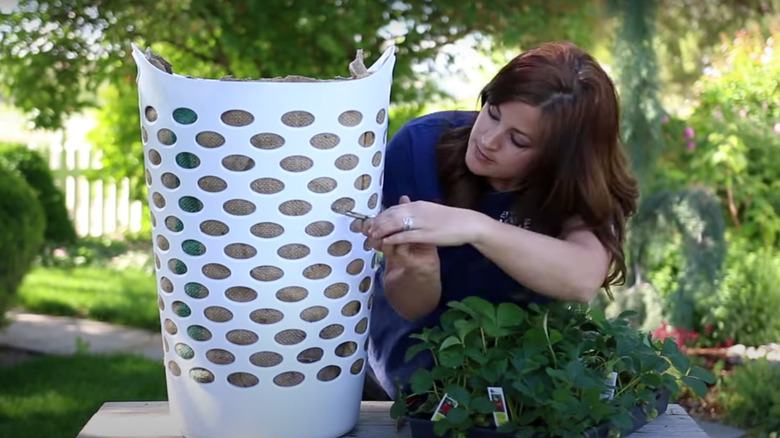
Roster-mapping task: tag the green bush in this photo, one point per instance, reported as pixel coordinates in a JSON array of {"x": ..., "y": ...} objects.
[
  {"x": 34, "y": 169},
  {"x": 21, "y": 233},
  {"x": 751, "y": 399}
]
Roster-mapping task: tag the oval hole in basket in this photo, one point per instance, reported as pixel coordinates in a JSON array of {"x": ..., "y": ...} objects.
[
  {"x": 356, "y": 226},
  {"x": 240, "y": 251},
  {"x": 190, "y": 204},
  {"x": 310, "y": 355},
  {"x": 196, "y": 290},
  {"x": 216, "y": 271},
  {"x": 266, "y": 359},
  {"x": 174, "y": 224},
  {"x": 267, "y": 230},
  {"x": 187, "y": 160},
  {"x": 376, "y": 160},
  {"x": 154, "y": 157},
  {"x": 361, "y": 326},
  {"x": 242, "y": 380},
  {"x": 151, "y": 113},
  {"x": 291, "y": 294},
  {"x": 193, "y": 247},
  {"x": 293, "y": 251},
  {"x": 295, "y": 207},
  {"x": 166, "y": 285},
  {"x": 148, "y": 177},
  {"x": 210, "y": 139},
  {"x": 184, "y": 351},
  {"x": 220, "y": 356},
  {"x": 298, "y": 119},
  {"x": 199, "y": 333},
  {"x": 239, "y": 207},
  {"x": 326, "y": 140},
  {"x": 289, "y": 378},
  {"x": 322, "y": 184},
  {"x": 238, "y": 163},
  {"x": 314, "y": 313},
  {"x": 266, "y": 273},
  {"x": 181, "y": 309},
  {"x": 170, "y": 327},
  {"x": 365, "y": 284},
  {"x": 372, "y": 201},
  {"x": 266, "y": 316},
  {"x": 332, "y": 331},
  {"x": 363, "y": 182},
  {"x": 329, "y": 373},
  {"x": 380, "y": 116},
  {"x": 367, "y": 139},
  {"x": 241, "y": 337},
  {"x": 351, "y": 308},
  {"x": 340, "y": 248},
  {"x": 290, "y": 337},
  {"x": 218, "y": 314},
  {"x": 237, "y": 117},
  {"x": 267, "y": 140},
  {"x": 296, "y": 163},
  {"x": 170, "y": 180},
  {"x": 158, "y": 200},
  {"x": 144, "y": 135},
  {"x": 319, "y": 228},
  {"x": 317, "y": 271},
  {"x": 336, "y": 290},
  {"x": 212, "y": 184},
  {"x": 185, "y": 116},
  {"x": 342, "y": 205},
  {"x": 166, "y": 136},
  {"x": 201, "y": 375},
  {"x": 356, "y": 367},
  {"x": 163, "y": 243},
  {"x": 347, "y": 162},
  {"x": 355, "y": 267},
  {"x": 174, "y": 368},
  {"x": 346, "y": 349},
  {"x": 350, "y": 118},
  {"x": 177, "y": 266},
  {"x": 241, "y": 294},
  {"x": 267, "y": 186},
  {"x": 214, "y": 228}
]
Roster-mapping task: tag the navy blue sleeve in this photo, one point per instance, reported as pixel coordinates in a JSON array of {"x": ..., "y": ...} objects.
[{"x": 399, "y": 173}]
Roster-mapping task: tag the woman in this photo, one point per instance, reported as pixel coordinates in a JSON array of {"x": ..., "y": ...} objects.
[{"x": 526, "y": 200}]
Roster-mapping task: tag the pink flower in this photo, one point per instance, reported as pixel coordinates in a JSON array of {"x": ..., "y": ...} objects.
[
  {"x": 777, "y": 128},
  {"x": 691, "y": 145},
  {"x": 743, "y": 113},
  {"x": 689, "y": 132}
]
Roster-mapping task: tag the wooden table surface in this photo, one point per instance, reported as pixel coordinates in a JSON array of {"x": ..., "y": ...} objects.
[{"x": 151, "y": 420}]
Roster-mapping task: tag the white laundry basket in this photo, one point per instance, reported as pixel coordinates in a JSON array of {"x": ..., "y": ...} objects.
[{"x": 264, "y": 290}]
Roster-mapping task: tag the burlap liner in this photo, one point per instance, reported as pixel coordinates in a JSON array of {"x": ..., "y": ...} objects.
[
  {"x": 267, "y": 186},
  {"x": 210, "y": 139},
  {"x": 340, "y": 248},
  {"x": 367, "y": 139},
  {"x": 361, "y": 326},
  {"x": 151, "y": 114},
  {"x": 293, "y": 251},
  {"x": 290, "y": 337},
  {"x": 243, "y": 380},
  {"x": 265, "y": 359},
  {"x": 295, "y": 207},
  {"x": 154, "y": 220},
  {"x": 336, "y": 290},
  {"x": 310, "y": 355},
  {"x": 347, "y": 162},
  {"x": 314, "y": 313},
  {"x": 289, "y": 378},
  {"x": 297, "y": 119},
  {"x": 181, "y": 309},
  {"x": 144, "y": 135},
  {"x": 291, "y": 294},
  {"x": 201, "y": 375},
  {"x": 372, "y": 201},
  {"x": 238, "y": 163},
  {"x": 199, "y": 333},
  {"x": 157, "y": 261},
  {"x": 170, "y": 180},
  {"x": 239, "y": 207},
  {"x": 296, "y": 163},
  {"x": 356, "y": 367},
  {"x": 190, "y": 204},
  {"x": 266, "y": 316},
  {"x": 241, "y": 294},
  {"x": 184, "y": 351},
  {"x": 370, "y": 302},
  {"x": 170, "y": 327},
  {"x": 267, "y": 230},
  {"x": 240, "y": 251},
  {"x": 328, "y": 373},
  {"x": 363, "y": 182},
  {"x": 356, "y": 226},
  {"x": 241, "y": 337},
  {"x": 160, "y": 303},
  {"x": 237, "y": 118},
  {"x": 193, "y": 247},
  {"x": 317, "y": 271},
  {"x": 212, "y": 184},
  {"x": 355, "y": 267},
  {"x": 158, "y": 199},
  {"x": 185, "y": 116},
  {"x": 166, "y": 285},
  {"x": 174, "y": 368},
  {"x": 187, "y": 160},
  {"x": 218, "y": 314},
  {"x": 332, "y": 331},
  {"x": 350, "y": 118},
  {"x": 162, "y": 243},
  {"x": 166, "y": 136},
  {"x": 216, "y": 271},
  {"x": 319, "y": 228},
  {"x": 343, "y": 204},
  {"x": 351, "y": 308},
  {"x": 165, "y": 344},
  {"x": 322, "y": 184},
  {"x": 346, "y": 349},
  {"x": 326, "y": 140},
  {"x": 196, "y": 290},
  {"x": 377, "y": 159},
  {"x": 214, "y": 228},
  {"x": 380, "y": 116},
  {"x": 220, "y": 356},
  {"x": 267, "y": 140},
  {"x": 154, "y": 157},
  {"x": 365, "y": 284},
  {"x": 148, "y": 176},
  {"x": 266, "y": 273},
  {"x": 177, "y": 266}
]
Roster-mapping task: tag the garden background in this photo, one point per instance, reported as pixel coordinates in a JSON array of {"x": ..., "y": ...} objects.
[{"x": 699, "y": 82}]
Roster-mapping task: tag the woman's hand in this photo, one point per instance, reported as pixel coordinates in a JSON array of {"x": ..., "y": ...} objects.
[{"x": 423, "y": 222}]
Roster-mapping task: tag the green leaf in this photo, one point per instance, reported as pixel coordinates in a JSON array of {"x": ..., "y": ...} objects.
[
  {"x": 464, "y": 327},
  {"x": 398, "y": 409},
  {"x": 681, "y": 362},
  {"x": 534, "y": 341},
  {"x": 669, "y": 348},
  {"x": 416, "y": 349},
  {"x": 451, "y": 358},
  {"x": 481, "y": 306},
  {"x": 475, "y": 354},
  {"x": 628, "y": 314},
  {"x": 509, "y": 315},
  {"x": 696, "y": 385},
  {"x": 483, "y": 405},
  {"x": 441, "y": 427},
  {"x": 449, "y": 342},
  {"x": 458, "y": 415},
  {"x": 421, "y": 381},
  {"x": 623, "y": 420},
  {"x": 458, "y": 393},
  {"x": 702, "y": 374}
]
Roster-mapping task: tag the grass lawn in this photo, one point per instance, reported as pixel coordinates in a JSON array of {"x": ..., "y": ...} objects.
[
  {"x": 120, "y": 296},
  {"x": 55, "y": 396}
]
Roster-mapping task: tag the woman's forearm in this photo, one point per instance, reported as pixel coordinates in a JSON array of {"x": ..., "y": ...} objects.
[{"x": 413, "y": 292}]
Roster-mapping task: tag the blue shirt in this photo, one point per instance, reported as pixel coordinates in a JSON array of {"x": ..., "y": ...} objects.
[{"x": 411, "y": 169}]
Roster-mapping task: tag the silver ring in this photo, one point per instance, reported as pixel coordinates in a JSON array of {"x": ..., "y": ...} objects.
[{"x": 408, "y": 223}]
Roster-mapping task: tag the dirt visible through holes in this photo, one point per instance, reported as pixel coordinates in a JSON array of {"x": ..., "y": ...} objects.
[{"x": 12, "y": 356}]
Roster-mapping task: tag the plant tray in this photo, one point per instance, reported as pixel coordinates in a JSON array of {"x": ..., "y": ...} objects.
[{"x": 423, "y": 428}]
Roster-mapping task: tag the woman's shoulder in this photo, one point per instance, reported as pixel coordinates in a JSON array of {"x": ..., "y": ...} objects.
[{"x": 440, "y": 121}]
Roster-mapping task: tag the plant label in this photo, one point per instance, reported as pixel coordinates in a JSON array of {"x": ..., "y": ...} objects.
[
  {"x": 500, "y": 415},
  {"x": 445, "y": 405},
  {"x": 611, "y": 382}
]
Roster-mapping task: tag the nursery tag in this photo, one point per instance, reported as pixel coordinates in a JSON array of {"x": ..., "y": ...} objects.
[
  {"x": 445, "y": 405},
  {"x": 611, "y": 381},
  {"x": 500, "y": 415}
]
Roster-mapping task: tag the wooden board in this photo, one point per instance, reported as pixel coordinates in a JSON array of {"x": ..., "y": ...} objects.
[{"x": 151, "y": 420}]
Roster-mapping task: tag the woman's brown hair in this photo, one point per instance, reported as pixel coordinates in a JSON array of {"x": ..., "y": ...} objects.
[{"x": 581, "y": 170}]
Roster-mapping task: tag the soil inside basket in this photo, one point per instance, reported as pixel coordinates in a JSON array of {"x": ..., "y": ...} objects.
[{"x": 423, "y": 427}]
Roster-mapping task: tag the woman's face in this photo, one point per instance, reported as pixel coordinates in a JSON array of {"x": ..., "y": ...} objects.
[{"x": 501, "y": 145}]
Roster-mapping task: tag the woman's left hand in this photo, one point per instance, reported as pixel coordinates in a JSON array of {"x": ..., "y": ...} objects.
[{"x": 424, "y": 222}]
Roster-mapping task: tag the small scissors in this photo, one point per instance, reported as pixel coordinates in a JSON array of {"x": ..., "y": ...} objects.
[{"x": 354, "y": 215}]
